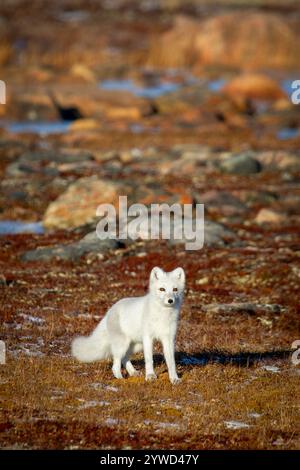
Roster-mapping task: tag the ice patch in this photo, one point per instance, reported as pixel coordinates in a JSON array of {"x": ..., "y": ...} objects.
[
  {"x": 42, "y": 128},
  {"x": 216, "y": 85},
  {"x": 13, "y": 227},
  {"x": 287, "y": 133},
  {"x": 151, "y": 92}
]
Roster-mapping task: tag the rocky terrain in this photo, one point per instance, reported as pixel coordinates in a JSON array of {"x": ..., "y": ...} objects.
[{"x": 162, "y": 101}]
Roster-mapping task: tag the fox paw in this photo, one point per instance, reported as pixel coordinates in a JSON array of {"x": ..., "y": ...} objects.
[
  {"x": 150, "y": 377},
  {"x": 175, "y": 380},
  {"x": 135, "y": 373}
]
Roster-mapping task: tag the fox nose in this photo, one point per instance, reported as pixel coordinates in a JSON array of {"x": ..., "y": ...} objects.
[{"x": 170, "y": 301}]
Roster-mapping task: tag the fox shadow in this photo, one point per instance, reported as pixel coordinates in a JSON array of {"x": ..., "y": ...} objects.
[{"x": 202, "y": 358}]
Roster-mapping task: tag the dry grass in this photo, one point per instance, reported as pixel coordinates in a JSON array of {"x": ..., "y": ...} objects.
[{"x": 53, "y": 402}]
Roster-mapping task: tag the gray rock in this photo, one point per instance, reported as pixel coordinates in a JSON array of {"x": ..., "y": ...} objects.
[
  {"x": 242, "y": 164},
  {"x": 45, "y": 162},
  {"x": 215, "y": 234},
  {"x": 221, "y": 201},
  {"x": 73, "y": 251},
  {"x": 241, "y": 307}
]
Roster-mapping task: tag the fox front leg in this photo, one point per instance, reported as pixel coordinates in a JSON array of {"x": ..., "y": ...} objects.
[
  {"x": 169, "y": 353},
  {"x": 148, "y": 355}
]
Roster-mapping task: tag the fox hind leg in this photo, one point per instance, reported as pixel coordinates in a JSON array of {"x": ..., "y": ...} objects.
[
  {"x": 120, "y": 347},
  {"x": 116, "y": 368},
  {"x": 118, "y": 341},
  {"x": 128, "y": 364}
]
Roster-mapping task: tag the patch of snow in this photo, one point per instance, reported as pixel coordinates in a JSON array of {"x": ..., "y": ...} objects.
[
  {"x": 273, "y": 369},
  {"x": 110, "y": 388},
  {"x": 14, "y": 325},
  {"x": 28, "y": 351},
  {"x": 168, "y": 425},
  {"x": 196, "y": 395},
  {"x": 88, "y": 315},
  {"x": 278, "y": 442},
  {"x": 31, "y": 319},
  {"x": 57, "y": 394},
  {"x": 236, "y": 425},
  {"x": 161, "y": 425},
  {"x": 93, "y": 403},
  {"x": 111, "y": 421},
  {"x": 254, "y": 415}
]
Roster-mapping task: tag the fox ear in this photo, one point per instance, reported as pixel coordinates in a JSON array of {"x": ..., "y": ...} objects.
[
  {"x": 178, "y": 273},
  {"x": 156, "y": 273}
]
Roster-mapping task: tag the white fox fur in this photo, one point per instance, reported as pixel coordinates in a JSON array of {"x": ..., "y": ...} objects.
[{"x": 132, "y": 324}]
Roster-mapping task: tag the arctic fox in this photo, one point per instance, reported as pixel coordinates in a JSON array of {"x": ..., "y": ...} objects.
[{"x": 132, "y": 324}]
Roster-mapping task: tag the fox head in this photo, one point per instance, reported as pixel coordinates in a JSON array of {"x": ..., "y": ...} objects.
[{"x": 168, "y": 288}]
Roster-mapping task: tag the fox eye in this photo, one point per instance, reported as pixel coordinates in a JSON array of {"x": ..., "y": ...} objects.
[
  {"x": 175, "y": 289},
  {"x": 162, "y": 289}
]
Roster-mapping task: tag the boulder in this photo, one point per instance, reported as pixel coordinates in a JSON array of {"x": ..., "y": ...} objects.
[
  {"x": 78, "y": 204},
  {"x": 247, "y": 39},
  {"x": 254, "y": 86},
  {"x": 90, "y": 244}
]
